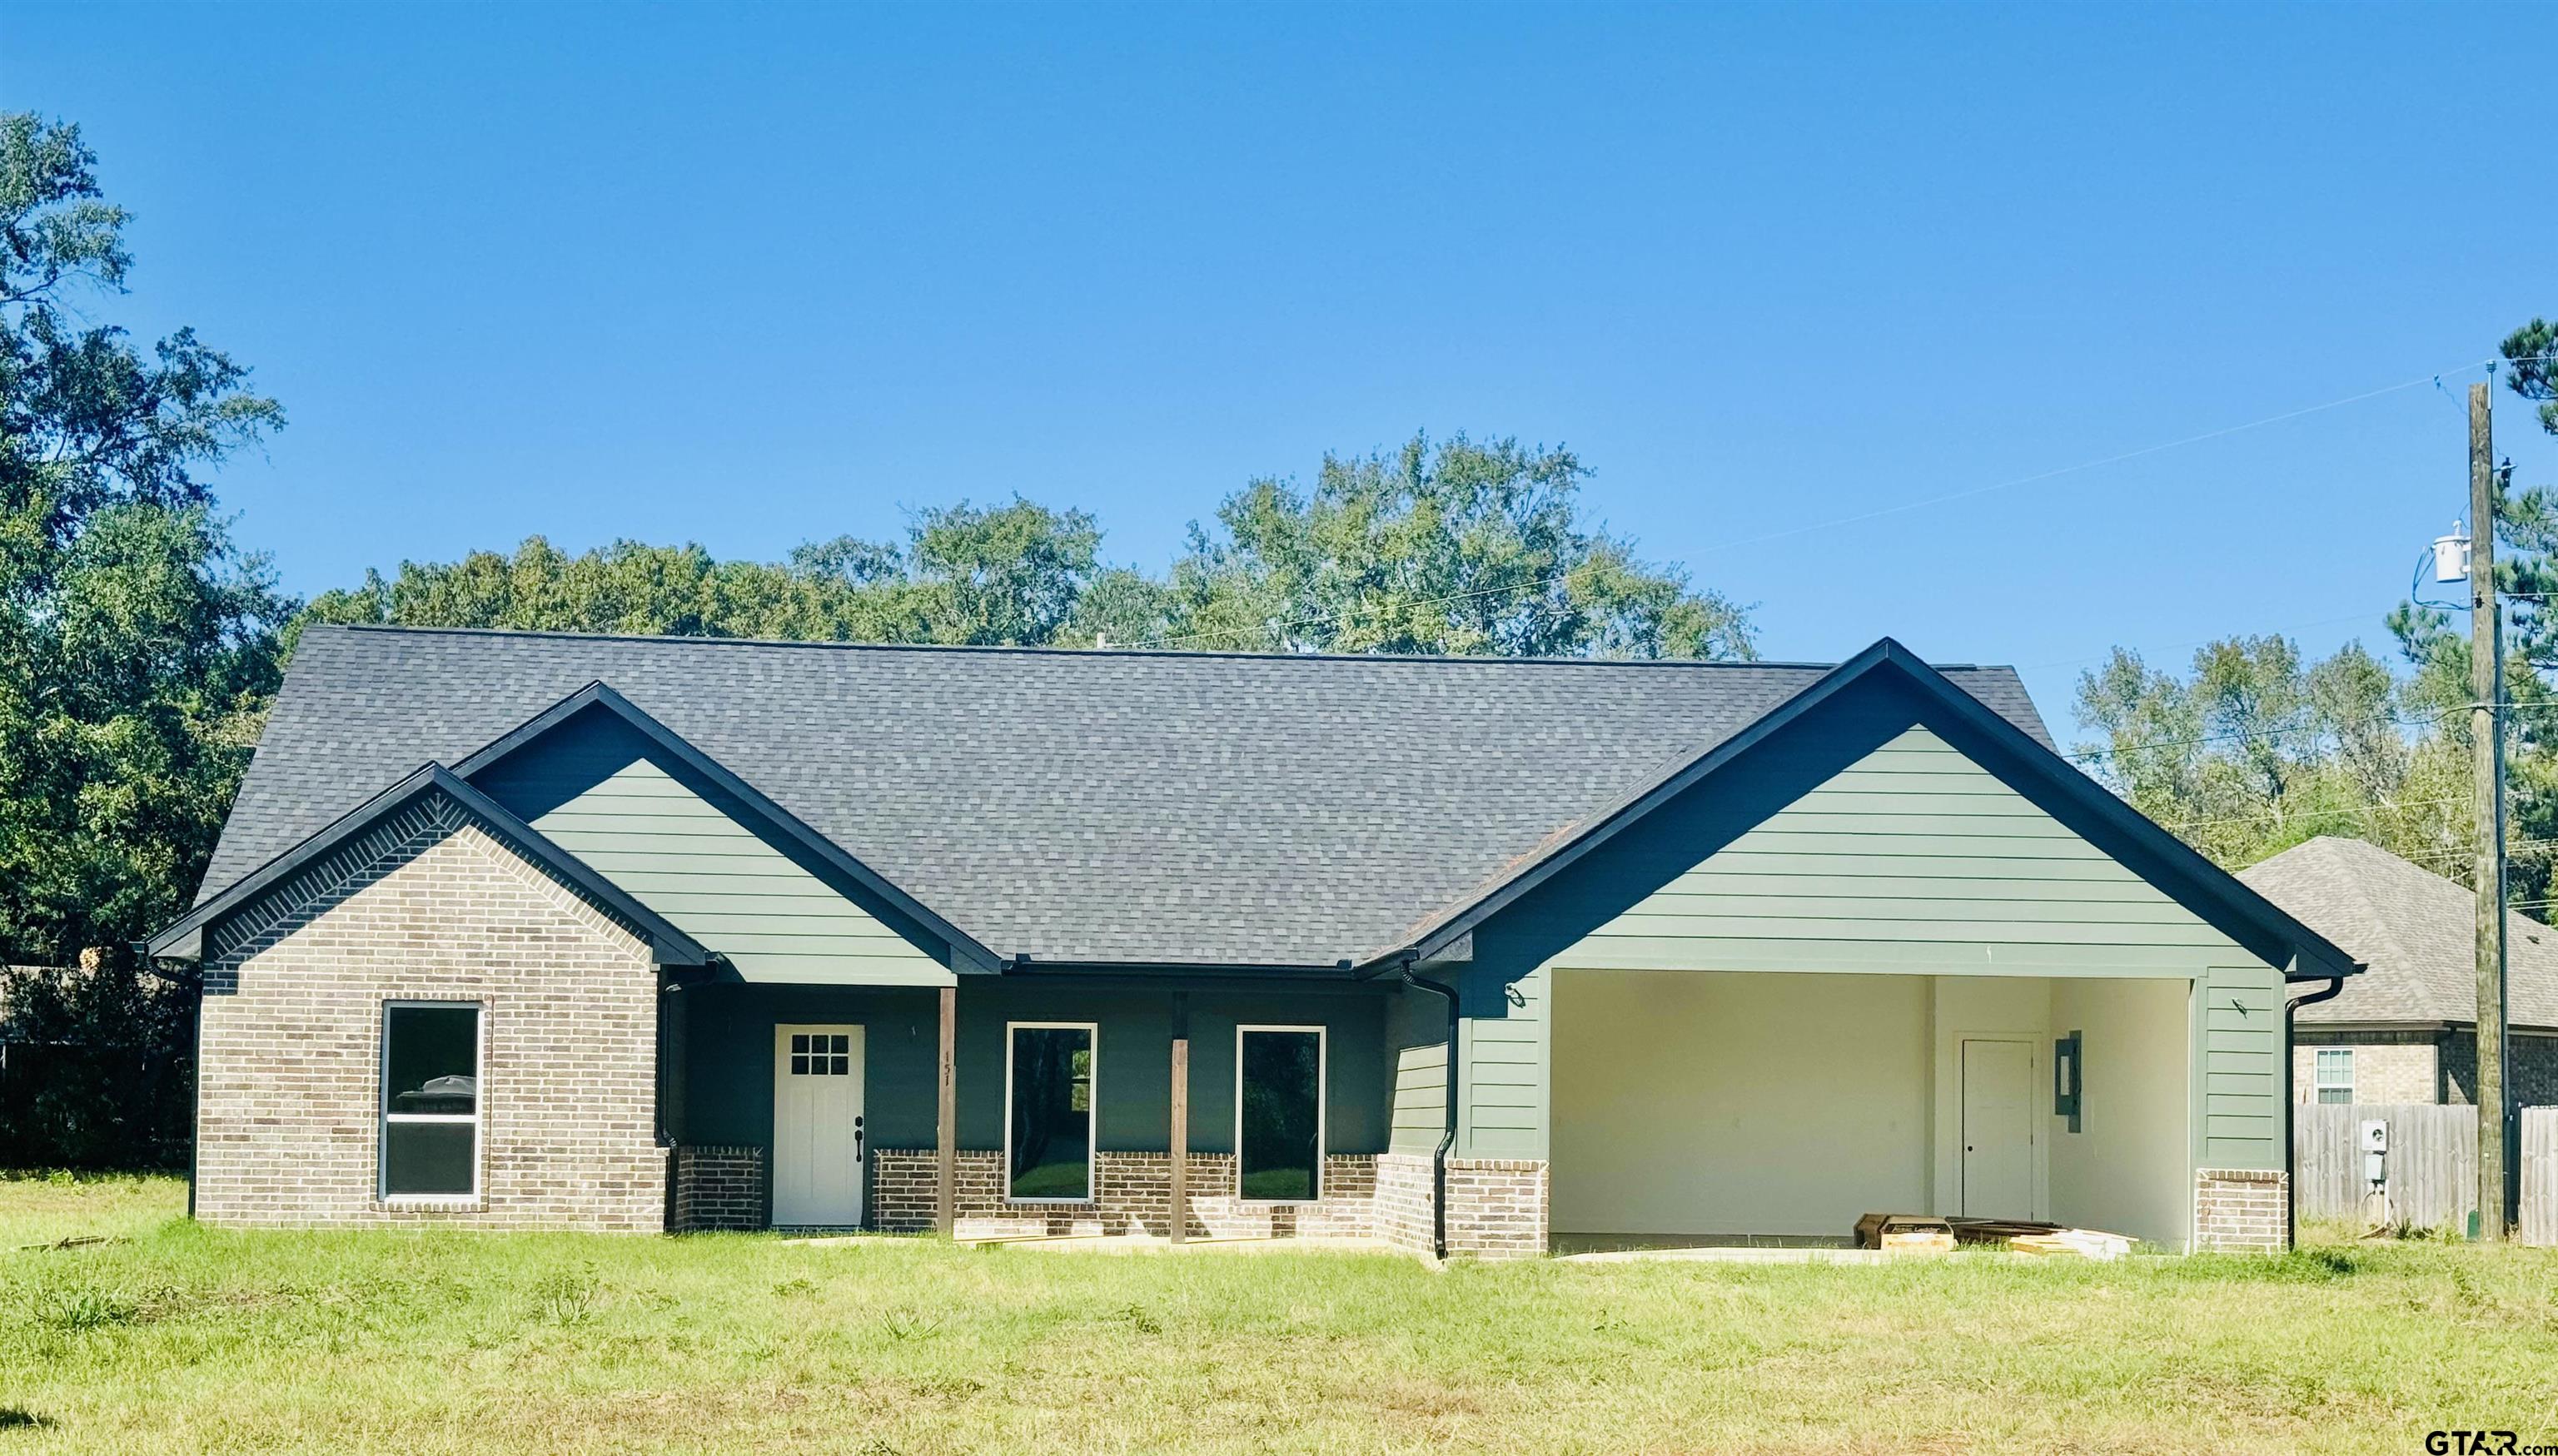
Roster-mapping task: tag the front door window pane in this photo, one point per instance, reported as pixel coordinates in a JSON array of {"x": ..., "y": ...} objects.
[{"x": 1052, "y": 1126}]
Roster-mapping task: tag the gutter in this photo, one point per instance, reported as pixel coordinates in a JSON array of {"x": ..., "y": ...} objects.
[
  {"x": 1447, "y": 1133},
  {"x": 2291, "y": 1156}
]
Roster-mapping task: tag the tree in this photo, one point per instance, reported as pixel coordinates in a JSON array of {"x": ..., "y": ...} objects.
[
  {"x": 2526, "y": 577},
  {"x": 1018, "y": 573},
  {"x": 1457, "y": 547},
  {"x": 1454, "y": 548},
  {"x": 2254, "y": 751},
  {"x": 137, "y": 645},
  {"x": 138, "y": 651}
]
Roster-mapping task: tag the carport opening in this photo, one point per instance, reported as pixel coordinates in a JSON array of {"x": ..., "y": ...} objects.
[{"x": 1700, "y": 1109}]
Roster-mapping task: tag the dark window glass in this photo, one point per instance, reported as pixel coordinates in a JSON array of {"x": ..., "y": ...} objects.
[
  {"x": 1052, "y": 1132},
  {"x": 1279, "y": 1156},
  {"x": 431, "y": 1059},
  {"x": 428, "y": 1157},
  {"x": 430, "y": 1099}
]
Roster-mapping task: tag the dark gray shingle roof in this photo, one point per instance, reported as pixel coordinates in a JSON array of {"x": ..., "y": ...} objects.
[
  {"x": 2413, "y": 928},
  {"x": 1076, "y": 806}
]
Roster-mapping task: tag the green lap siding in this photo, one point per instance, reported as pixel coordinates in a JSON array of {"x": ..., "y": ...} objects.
[
  {"x": 2240, "y": 1023},
  {"x": 1912, "y": 859},
  {"x": 1860, "y": 841},
  {"x": 683, "y": 851}
]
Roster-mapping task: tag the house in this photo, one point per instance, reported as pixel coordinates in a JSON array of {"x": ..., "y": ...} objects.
[
  {"x": 2406, "y": 1031},
  {"x": 536, "y": 930}
]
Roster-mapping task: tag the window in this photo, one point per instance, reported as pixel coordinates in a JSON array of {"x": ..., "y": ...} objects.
[
  {"x": 821, "y": 1054},
  {"x": 1279, "y": 1113},
  {"x": 1048, "y": 1112},
  {"x": 2335, "y": 1074},
  {"x": 430, "y": 1099}
]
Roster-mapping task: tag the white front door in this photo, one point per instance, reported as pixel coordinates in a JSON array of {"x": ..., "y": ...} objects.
[
  {"x": 816, "y": 1126},
  {"x": 1998, "y": 1130}
]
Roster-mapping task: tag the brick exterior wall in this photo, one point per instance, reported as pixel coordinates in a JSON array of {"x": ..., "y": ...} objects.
[
  {"x": 2531, "y": 1069},
  {"x": 1132, "y": 1194},
  {"x": 428, "y": 907},
  {"x": 901, "y": 1186},
  {"x": 1402, "y": 1214},
  {"x": 2387, "y": 1067},
  {"x": 2241, "y": 1211},
  {"x": 716, "y": 1190},
  {"x": 2426, "y": 1066},
  {"x": 1495, "y": 1207}
]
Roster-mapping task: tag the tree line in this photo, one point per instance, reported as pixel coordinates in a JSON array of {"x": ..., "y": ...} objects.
[
  {"x": 141, "y": 642},
  {"x": 2252, "y": 748}
]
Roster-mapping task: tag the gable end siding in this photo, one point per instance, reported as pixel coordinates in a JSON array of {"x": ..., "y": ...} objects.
[
  {"x": 1903, "y": 856},
  {"x": 596, "y": 794}
]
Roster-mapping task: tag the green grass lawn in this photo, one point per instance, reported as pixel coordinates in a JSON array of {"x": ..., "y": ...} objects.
[{"x": 173, "y": 1336}]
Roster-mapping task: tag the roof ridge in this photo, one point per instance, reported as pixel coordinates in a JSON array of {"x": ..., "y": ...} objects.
[
  {"x": 1000, "y": 649},
  {"x": 2359, "y": 886}
]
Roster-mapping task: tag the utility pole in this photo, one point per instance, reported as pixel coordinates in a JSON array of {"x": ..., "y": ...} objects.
[{"x": 2486, "y": 749}]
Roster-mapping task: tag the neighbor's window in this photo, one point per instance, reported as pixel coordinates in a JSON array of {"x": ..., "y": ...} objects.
[
  {"x": 1279, "y": 1113},
  {"x": 2335, "y": 1074},
  {"x": 430, "y": 1099},
  {"x": 1048, "y": 1094}
]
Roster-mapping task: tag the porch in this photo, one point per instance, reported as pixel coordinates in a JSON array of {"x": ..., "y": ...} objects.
[{"x": 1022, "y": 1109}]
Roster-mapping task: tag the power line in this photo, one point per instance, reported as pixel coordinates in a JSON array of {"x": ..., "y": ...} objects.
[{"x": 1861, "y": 517}]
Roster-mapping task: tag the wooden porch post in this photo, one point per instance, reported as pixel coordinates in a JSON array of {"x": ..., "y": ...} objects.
[
  {"x": 1181, "y": 1139},
  {"x": 1178, "y": 1146},
  {"x": 945, "y": 1135}
]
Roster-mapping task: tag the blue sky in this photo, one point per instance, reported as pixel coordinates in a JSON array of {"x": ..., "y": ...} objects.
[{"x": 748, "y": 277}]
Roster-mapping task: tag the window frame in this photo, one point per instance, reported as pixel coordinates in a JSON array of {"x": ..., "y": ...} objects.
[
  {"x": 2320, "y": 1085},
  {"x": 1091, "y": 1120},
  {"x": 1323, "y": 1109},
  {"x": 384, "y": 1117}
]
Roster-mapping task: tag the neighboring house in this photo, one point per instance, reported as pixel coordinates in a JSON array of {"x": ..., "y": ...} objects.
[
  {"x": 517, "y": 930},
  {"x": 2407, "y": 1029}
]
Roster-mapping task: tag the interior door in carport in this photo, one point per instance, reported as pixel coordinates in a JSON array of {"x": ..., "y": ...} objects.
[{"x": 1998, "y": 1130}]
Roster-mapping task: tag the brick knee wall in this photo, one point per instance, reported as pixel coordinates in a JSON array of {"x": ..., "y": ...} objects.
[
  {"x": 2241, "y": 1209},
  {"x": 902, "y": 1186},
  {"x": 1132, "y": 1194},
  {"x": 1404, "y": 1193},
  {"x": 716, "y": 1190},
  {"x": 1495, "y": 1207},
  {"x": 428, "y": 907}
]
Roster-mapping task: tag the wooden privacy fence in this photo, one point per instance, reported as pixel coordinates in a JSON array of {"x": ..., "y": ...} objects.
[
  {"x": 2540, "y": 1176},
  {"x": 2430, "y": 1166},
  {"x": 2430, "y": 1170}
]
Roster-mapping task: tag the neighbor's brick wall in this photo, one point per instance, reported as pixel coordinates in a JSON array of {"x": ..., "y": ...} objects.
[
  {"x": 432, "y": 908},
  {"x": 2531, "y": 1066},
  {"x": 718, "y": 1189},
  {"x": 2399, "y": 1069},
  {"x": 2241, "y": 1209}
]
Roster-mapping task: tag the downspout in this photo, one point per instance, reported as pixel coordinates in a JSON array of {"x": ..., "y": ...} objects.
[
  {"x": 666, "y": 1009},
  {"x": 1447, "y": 1133},
  {"x": 2291, "y": 1155}
]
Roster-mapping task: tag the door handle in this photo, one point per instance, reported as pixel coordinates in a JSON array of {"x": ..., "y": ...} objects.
[{"x": 857, "y": 1138}]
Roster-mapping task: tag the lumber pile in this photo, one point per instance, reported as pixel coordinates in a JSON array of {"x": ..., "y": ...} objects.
[
  {"x": 1905, "y": 1234},
  {"x": 2029, "y": 1236}
]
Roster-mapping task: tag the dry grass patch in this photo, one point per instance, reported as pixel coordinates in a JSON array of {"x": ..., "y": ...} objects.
[{"x": 181, "y": 1338}]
